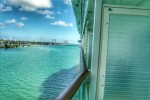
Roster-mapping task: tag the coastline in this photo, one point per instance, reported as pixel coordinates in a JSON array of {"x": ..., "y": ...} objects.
[{"x": 5, "y": 44}]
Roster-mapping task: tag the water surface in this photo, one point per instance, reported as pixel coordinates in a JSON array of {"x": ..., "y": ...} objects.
[{"x": 37, "y": 73}]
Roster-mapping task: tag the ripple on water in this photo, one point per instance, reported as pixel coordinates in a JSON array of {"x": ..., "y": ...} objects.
[{"x": 37, "y": 72}]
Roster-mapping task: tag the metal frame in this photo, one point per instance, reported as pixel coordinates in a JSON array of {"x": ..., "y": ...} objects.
[
  {"x": 107, "y": 10},
  {"x": 95, "y": 49}
]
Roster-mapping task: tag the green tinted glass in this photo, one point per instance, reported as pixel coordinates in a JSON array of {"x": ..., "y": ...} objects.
[{"x": 128, "y": 58}]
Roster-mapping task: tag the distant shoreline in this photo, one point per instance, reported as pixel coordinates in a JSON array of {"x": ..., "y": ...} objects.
[{"x": 19, "y": 44}]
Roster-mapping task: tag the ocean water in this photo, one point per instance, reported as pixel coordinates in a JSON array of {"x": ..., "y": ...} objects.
[{"x": 37, "y": 73}]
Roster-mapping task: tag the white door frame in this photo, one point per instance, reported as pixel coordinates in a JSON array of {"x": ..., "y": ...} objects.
[{"x": 107, "y": 10}]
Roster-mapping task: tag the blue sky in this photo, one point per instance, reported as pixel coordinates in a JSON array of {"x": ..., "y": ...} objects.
[{"x": 38, "y": 20}]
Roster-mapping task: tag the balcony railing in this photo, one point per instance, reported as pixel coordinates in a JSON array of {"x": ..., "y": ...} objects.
[{"x": 72, "y": 92}]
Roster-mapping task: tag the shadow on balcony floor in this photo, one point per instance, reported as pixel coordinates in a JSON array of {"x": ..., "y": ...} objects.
[{"x": 57, "y": 82}]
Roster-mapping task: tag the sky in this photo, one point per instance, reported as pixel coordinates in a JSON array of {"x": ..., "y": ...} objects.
[{"x": 38, "y": 20}]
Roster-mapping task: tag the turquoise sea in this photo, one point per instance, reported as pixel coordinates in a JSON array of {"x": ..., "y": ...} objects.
[{"x": 37, "y": 73}]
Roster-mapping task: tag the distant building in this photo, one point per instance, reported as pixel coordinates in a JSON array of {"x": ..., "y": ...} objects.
[{"x": 66, "y": 41}]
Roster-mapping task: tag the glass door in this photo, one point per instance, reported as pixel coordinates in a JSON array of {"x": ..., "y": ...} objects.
[{"x": 125, "y": 54}]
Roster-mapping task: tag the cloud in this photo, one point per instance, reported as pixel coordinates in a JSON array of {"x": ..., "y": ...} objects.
[
  {"x": 58, "y": 12},
  {"x": 24, "y": 18},
  {"x": 31, "y": 5},
  {"x": 45, "y": 12},
  {"x": 2, "y": 25},
  {"x": 12, "y": 21},
  {"x": 4, "y": 8},
  {"x": 68, "y": 2},
  {"x": 49, "y": 14},
  {"x": 49, "y": 17},
  {"x": 20, "y": 25},
  {"x": 62, "y": 23}
]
